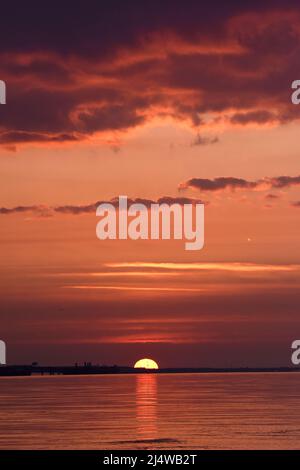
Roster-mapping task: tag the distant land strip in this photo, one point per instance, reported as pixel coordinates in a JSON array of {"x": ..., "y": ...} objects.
[{"x": 28, "y": 370}]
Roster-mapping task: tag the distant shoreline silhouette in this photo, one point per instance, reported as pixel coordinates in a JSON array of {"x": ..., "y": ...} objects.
[{"x": 89, "y": 369}]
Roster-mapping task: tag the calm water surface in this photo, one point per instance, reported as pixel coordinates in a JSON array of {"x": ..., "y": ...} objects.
[{"x": 180, "y": 411}]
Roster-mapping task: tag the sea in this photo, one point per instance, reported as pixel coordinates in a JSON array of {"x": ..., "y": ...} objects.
[{"x": 151, "y": 411}]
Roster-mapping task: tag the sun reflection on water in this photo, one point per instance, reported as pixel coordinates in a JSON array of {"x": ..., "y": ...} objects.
[{"x": 146, "y": 406}]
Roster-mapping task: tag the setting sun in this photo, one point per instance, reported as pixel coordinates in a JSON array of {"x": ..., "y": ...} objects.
[{"x": 146, "y": 364}]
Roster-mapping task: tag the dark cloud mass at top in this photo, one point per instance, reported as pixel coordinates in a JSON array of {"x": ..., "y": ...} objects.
[
  {"x": 93, "y": 28},
  {"x": 77, "y": 69}
]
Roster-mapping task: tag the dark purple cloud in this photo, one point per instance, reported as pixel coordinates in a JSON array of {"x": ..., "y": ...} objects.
[
  {"x": 258, "y": 117},
  {"x": 285, "y": 181},
  {"x": 106, "y": 66},
  {"x": 205, "y": 184},
  {"x": 230, "y": 182},
  {"x": 43, "y": 210}
]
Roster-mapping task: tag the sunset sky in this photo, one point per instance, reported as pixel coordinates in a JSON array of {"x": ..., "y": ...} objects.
[{"x": 165, "y": 99}]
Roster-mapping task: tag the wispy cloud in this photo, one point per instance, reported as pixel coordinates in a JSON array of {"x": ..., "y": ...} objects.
[
  {"x": 204, "y": 140},
  {"x": 137, "y": 288},
  {"x": 234, "y": 267}
]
